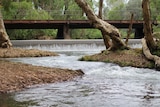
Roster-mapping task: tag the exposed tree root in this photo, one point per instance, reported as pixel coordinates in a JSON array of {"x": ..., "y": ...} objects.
[{"x": 149, "y": 56}]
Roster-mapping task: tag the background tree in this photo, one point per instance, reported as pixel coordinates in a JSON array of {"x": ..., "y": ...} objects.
[
  {"x": 135, "y": 7},
  {"x": 4, "y": 38},
  {"x": 155, "y": 9},
  {"x": 44, "y": 10},
  {"x": 23, "y": 10},
  {"x": 55, "y": 9}
]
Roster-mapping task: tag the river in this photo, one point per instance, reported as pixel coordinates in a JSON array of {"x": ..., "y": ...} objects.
[{"x": 103, "y": 85}]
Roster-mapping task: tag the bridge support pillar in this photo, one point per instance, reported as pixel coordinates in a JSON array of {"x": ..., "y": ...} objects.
[
  {"x": 63, "y": 32},
  {"x": 139, "y": 33},
  {"x": 60, "y": 33}
]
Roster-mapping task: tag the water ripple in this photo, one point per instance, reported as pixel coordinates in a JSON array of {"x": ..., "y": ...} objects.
[{"x": 103, "y": 85}]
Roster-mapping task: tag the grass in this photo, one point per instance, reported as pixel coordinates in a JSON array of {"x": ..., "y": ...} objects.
[{"x": 132, "y": 57}]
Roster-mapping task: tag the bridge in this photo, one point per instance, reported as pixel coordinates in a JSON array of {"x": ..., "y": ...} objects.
[
  {"x": 65, "y": 19},
  {"x": 63, "y": 26}
]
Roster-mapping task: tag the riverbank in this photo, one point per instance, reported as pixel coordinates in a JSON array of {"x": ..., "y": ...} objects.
[
  {"x": 132, "y": 57},
  {"x": 20, "y": 52},
  {"x": 18, "y": 76}
]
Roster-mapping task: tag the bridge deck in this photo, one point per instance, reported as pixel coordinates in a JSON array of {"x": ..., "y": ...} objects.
[{"x": 73, "y": 24}]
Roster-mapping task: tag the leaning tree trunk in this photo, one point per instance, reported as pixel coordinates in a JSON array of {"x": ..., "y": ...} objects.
[
  {"x": 148, "y": 42},
  {"x": 4, "y": 38},
  {"x": 148, "y": 25},
  {"x": 108, "y": 31}
]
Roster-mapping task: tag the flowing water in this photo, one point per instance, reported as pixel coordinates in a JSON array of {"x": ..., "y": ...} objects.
[{"x": 103, "y": 85}]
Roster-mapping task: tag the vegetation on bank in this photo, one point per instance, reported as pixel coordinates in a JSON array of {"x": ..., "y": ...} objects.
[{"x": 132, "y": 57}]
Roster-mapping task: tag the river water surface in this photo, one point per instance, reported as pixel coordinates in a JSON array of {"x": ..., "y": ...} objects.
[{"x": 103, "y": 85}]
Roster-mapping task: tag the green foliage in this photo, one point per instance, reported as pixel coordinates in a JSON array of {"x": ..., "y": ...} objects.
[
  {"x": 24, "y": 10},
  {"x": 117, "y": 13},
  {"x": 124, "y": 33},
  {"x": 86, "y": 34},
  {"x": 39, "y": 10},
  {"x": 6, "y": 4},
  {"x": 155, "y": 13},
  {"x": 156, "y": 28},
  {"x": 135, "y": 7},
  {"x": 157, "y": 52},
  {"x": 155, "y": 9},
  {"x": 67, "y": 10},
  {"x": 122, "y": 10},
  {"x": 86, "y": 58},
  {"x": 31, "y": 33}
]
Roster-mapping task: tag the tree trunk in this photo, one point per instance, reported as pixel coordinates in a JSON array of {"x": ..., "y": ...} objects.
[
  {"x": 148, "y": 43},
  {"x": 108, "y": 31},
  {"x": 100, "y": 9},
  {"x": 130, "y": 29},
  {"x": 4, "y": 38},
  {"x": 148, "y": 25}
]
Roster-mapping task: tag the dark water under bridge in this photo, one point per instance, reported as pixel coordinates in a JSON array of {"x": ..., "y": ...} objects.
[{"x": 63, "y": 26}]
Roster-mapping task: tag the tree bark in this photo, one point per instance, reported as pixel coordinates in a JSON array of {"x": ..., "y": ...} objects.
[
  {"x": 4, "y": 38},
  {"x": 108, "y": 31},
  {"x": 148, "y": 43},
  {"x": 130, "y": 29},
  {"x": 100, "y": 9},
  {"x": 148, "y": 54},
  {"x": 148, "y": 25}
]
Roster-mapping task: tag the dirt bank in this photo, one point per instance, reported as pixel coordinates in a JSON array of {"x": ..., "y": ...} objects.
[
  {"x": 19, "y": 52},
  {"x": 17, "y": 76},
  {"x": 132, "y": 57}
]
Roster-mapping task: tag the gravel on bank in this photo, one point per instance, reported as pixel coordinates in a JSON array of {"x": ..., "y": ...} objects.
[
  {"x": 20, "y": 52},
  {"x": 17, "y": 76}
]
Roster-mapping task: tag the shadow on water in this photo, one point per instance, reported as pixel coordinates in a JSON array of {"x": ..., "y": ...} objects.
[{"x": 7, "y": 100}]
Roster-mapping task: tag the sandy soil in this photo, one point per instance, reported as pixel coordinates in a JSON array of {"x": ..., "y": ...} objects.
[{"x": 18, "y": 76}]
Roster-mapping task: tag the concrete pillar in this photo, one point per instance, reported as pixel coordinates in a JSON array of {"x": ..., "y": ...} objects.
[
  {"x": 66, "y": 31},
  {"x": 63, "y": 32},
  {"x": 60, "y": 33}
]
